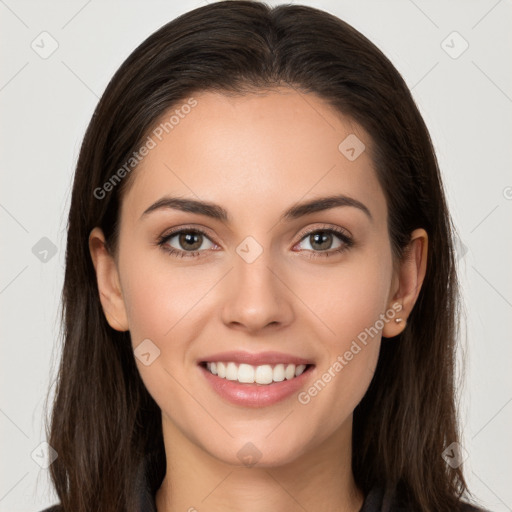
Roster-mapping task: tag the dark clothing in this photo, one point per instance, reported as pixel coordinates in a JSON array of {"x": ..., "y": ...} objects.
[{"x": 377, "y": 500}]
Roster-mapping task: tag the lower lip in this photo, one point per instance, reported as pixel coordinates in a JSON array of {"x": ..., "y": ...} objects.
[{"x": 255, "y": 395}]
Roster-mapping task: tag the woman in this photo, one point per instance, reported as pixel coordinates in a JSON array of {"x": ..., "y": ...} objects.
[{"x": 260, "y": 295}]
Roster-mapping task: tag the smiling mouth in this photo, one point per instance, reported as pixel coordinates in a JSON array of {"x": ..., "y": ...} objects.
[{"x": 250, "y": 374}]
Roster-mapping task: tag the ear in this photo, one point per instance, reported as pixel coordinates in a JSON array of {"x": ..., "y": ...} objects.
[
  {"x": 407, "y": 282},
  {"x": 109, "y": 286}
]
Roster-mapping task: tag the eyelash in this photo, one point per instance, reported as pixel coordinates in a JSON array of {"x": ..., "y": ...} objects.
[{"x": 348, "y": 242}]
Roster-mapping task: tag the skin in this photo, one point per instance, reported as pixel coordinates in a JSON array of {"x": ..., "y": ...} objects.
[{"x": 256, "y": 155}]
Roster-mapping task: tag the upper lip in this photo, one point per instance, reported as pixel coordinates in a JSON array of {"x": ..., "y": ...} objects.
[{"x": 257, "y": 359}]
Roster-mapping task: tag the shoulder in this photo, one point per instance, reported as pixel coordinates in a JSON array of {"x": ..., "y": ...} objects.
[
  {"x": 54, "y": 508},
  {"x": 384, "y": 498},
  {"x": 464, "y": 507}
]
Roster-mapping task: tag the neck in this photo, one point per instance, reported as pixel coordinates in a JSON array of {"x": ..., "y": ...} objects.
[{"x": 320, "y": 479}]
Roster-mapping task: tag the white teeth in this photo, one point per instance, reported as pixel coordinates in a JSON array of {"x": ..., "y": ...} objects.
[
  {"x": 248, "y": 374},
  {"x": 300, "y": 369},
  {"x": 231, "y": 371},
  {"x": 221, "y": 370},
  {"x": 278, "y": 373},
  {"x": 289, "y": 373},
  {"x": 263, "y": 374}
]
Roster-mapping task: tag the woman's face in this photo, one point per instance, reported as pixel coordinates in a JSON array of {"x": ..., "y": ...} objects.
[{"x": 258, "y": 281}]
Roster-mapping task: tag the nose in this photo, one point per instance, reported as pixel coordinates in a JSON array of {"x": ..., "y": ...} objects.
[{"x": 257, "y": 296}]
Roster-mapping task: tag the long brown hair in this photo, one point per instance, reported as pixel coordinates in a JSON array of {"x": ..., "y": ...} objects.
[{"x": 104, "y": 421}]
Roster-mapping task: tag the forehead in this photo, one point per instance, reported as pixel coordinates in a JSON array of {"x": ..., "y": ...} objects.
[{"x": 257, "y": 151}]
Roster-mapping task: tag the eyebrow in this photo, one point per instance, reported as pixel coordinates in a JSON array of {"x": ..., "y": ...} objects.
[{"x": 216, "y": 211}]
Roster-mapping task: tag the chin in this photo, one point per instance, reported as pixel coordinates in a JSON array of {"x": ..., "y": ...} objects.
[{"x": 258, "y": 451}]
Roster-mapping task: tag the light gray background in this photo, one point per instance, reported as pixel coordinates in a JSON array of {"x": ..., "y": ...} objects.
[{"x": 47, "y": 103}]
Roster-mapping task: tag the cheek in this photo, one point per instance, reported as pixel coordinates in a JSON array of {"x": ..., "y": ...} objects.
[
  {"x": 162, "y": 303},
  {"x": 157, "y": 295},
  {"x": 350, "y": 297},
  {"x": 352, "y": 305}
]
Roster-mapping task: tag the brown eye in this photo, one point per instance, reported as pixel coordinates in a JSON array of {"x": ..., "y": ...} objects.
[
  {"x": 190, "y": 241},
  {"x": 186, "y": 242},
  {"x": 322, "y": 240}
]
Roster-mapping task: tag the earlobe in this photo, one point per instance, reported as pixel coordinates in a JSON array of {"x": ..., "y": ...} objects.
[
  {"x": 410, "y": 278},
  {"x": 107, "y": 277}
]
